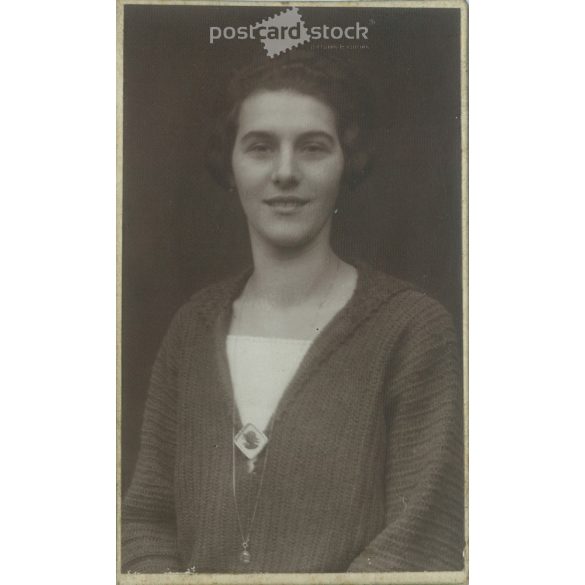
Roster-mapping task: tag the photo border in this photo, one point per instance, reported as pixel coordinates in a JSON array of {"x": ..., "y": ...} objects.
[{"x": 391, "y": 578}]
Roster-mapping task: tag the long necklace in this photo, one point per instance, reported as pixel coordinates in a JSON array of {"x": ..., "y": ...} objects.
[
  {"x": 245, "y": 555},
  {"x": 251, "y": 441},
  {"x": 314, "y": 327}
]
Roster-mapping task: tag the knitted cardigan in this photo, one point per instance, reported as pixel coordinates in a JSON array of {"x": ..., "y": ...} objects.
[{"x": 364, "y": 466}]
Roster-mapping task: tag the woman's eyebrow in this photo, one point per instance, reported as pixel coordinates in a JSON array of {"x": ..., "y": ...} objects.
[
  {"x": 316, "y": 134},
  {"x": 257, "y": 134}
]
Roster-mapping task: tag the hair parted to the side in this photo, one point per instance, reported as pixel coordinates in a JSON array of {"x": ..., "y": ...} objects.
[{"x": 330, "y": 79}]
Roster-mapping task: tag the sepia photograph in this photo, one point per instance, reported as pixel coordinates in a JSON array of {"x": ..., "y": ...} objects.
[{"x": 292, "y": 292}]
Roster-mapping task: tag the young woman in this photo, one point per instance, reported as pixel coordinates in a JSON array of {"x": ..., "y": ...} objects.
[{"x": 305, "y": 416}]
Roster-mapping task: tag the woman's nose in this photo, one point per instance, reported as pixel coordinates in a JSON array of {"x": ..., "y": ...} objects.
[{"x": 286, "y": 172}]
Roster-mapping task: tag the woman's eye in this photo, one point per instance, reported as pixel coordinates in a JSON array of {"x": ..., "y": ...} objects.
[
  {"x": 260, "y": 148},
  {"x": 314, "y": 148}
]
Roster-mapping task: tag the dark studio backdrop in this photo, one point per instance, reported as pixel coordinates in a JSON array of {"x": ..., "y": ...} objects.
[{"x": 182, "y": 232}]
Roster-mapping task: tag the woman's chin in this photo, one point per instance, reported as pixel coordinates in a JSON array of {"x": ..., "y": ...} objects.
[
  {"x": 287, "y": 241},
  {"x": 292, "y": 237}
]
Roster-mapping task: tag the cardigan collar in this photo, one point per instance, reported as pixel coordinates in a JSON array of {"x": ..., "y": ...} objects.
[{"x": 372, "y": 290}]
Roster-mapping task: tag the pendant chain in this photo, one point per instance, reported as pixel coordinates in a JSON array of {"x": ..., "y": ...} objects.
[
  {"x": 245, "y": 555},
  {"x": 314, "y": 328}
]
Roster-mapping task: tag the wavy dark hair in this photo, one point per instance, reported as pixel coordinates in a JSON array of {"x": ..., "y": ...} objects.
[{"x": 332, "y": 80}]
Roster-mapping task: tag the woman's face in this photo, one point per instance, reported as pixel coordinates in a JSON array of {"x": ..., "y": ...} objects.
[{"x": 287, "y": 164}]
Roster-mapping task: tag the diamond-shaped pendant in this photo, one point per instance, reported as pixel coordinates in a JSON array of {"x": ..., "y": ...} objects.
[{"x": 250, "y": 441}]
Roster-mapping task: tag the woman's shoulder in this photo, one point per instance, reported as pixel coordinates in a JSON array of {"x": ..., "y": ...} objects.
[
  {"x": 204, "y": 305},
  {"x": 419, "y": 330},
  {"x": 217, "y": 293},
  {"x": 397, "y": 299}
]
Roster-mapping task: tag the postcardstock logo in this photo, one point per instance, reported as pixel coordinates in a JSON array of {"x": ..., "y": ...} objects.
[
  {"x": 284, "y": 31},
  {"x": 287, "y": 30}
]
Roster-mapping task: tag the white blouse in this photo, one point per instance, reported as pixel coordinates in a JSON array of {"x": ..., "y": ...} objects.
[{"x": 261, "y": 369}]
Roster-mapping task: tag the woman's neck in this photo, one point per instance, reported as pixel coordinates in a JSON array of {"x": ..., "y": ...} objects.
[
  {"x": 293, "y": 293},
  {"x": 285, "y": 278}
]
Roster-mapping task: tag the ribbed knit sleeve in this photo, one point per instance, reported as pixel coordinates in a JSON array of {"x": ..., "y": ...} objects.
[
  {"x": 149, "y": 532},
  {"x": 424, "y": 461}
]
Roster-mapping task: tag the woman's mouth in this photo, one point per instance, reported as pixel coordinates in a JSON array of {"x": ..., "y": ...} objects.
[{"x": 286, "y": 203}]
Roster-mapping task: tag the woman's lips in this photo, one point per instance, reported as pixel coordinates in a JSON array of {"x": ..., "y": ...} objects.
[{"x": 286, "y": 203}]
